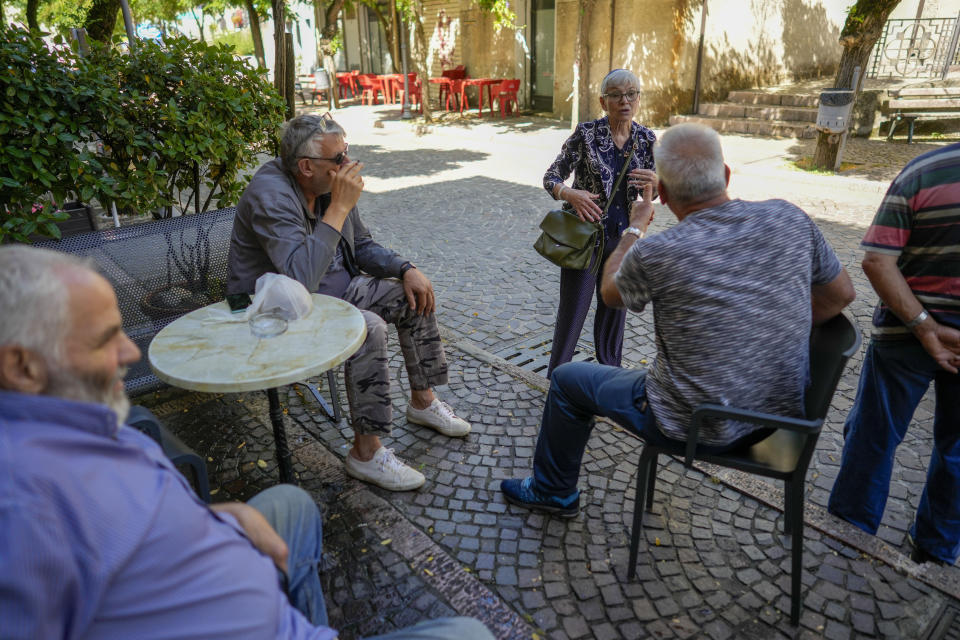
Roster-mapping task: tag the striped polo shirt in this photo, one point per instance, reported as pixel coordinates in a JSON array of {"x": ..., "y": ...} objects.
[
  {"x": 730, "y": 287},
  {"x": 919, "y": 221}
]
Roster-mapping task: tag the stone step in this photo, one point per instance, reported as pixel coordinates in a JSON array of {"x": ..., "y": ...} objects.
[
  {"x": 769, "y": 128},
  {"x": 778, "y": 99},
  {"x": 768, "y": 112}
]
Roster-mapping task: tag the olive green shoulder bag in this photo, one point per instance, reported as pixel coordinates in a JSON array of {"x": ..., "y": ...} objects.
[{"x": 569, "y": 242}]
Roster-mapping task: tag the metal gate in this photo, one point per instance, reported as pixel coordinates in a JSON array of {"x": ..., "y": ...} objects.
[{"x": 911, "y": 48}]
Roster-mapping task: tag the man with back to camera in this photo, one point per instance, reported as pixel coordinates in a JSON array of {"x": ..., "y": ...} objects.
[
  {"x": 101, "y": 536},
  {"x": 735, "y": 286},
  {"x": 298, "y": 216}
]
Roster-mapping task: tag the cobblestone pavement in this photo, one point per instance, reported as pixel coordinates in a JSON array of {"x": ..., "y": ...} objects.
[{"x": 462, "y": 201}]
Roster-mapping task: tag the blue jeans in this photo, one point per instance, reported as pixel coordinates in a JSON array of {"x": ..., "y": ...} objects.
[
  {"x": 292, "y": 512},
  {"x": 894, "y": 378},
  {"x": 578, "y": 392},
  {"x": 294, "y": 515}
]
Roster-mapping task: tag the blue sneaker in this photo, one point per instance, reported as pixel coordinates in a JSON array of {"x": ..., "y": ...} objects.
[{"x": 523, "y": 494}]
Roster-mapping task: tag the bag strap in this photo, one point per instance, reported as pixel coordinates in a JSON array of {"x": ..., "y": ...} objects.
[{"x": 626, "y": 165}]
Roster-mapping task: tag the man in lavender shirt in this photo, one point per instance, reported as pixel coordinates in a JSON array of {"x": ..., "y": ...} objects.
[{"x": 101, "y": 536}]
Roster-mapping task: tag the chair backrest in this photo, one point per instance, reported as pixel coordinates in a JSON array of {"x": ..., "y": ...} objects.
[
  {"x": 367, "y": 80},
  {"x": 160, "y": 270},
  {"x": 457, "y": 73},
  {"x": 510, "y": 86},
  {"x": 831, "y": 345}
]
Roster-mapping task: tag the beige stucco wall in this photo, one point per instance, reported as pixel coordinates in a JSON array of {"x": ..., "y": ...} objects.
[{"x": 747, "y": 43}]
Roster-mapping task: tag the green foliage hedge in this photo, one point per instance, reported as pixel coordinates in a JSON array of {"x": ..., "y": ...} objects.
[{"x": 131, "y": 128}]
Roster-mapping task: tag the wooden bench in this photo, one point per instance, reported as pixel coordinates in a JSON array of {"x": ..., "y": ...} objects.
[{"x": 921, "y": 103}]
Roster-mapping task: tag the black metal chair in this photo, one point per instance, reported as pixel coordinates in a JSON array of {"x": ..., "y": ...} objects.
[
  {"x": 180, "y": 454},
  {"x": 784, "y": 455}
]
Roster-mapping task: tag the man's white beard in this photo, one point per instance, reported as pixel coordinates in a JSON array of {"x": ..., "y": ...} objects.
[{"x": 67, "y": 384}]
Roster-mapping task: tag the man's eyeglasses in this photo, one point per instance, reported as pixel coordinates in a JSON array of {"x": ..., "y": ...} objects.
[
  {"x": 338, "y": 159},
  {"x": 616, "y": 96}
]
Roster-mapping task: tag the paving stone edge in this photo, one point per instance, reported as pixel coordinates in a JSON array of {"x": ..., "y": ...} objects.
[{"x": 464, "y": 591}]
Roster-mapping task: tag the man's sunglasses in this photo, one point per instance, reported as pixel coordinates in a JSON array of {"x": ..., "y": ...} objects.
[{"x": 338, "y": 159}]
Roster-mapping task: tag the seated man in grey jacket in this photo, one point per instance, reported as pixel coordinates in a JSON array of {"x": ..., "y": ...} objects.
[{"x": 298, "y": 216}]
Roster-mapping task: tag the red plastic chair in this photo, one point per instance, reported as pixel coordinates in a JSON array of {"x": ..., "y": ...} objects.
[
  {"x": 416, "y": 91},
  {"x": 370, "y": 86},
  {"x": 453, "y": 89},
  {"x": 507, "y": 95},
  {"x": 347, "y": 82}
]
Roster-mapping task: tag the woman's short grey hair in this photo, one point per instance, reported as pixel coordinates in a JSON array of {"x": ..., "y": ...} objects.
[
  {"x": 689, "y": 162},
  {"x": 619, "y": 78},
  {"x": 35, "y": 299},
  {"x": 302, "y": 136}
]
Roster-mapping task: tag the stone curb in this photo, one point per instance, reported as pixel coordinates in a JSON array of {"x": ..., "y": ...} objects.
[
  {"x": 943, "y": 578},
  {"x": 463, "y": 591}
]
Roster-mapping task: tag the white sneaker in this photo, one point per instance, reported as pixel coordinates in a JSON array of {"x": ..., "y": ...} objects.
[
  {"x": 440, "y": 417},
  {"x": 384, "y": 470}
]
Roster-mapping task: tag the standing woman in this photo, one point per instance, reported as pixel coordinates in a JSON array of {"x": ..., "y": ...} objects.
[{"x": 595, "y": 154}]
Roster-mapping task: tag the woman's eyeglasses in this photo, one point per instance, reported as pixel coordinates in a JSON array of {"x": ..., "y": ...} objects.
[
  {"x": 617, "y": 96},
  {"x": 338, "y": 159}
]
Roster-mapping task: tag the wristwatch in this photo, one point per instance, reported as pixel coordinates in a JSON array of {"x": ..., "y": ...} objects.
[
  {"x": 923, "y": 315},
  {"x": 406, "y": 266},
  {"x": 637, "y": 231}
]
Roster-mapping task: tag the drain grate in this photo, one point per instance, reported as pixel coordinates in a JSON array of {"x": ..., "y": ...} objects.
[
  {"x": 533, "y": 354},
  {"x": 946, "y": 626}
]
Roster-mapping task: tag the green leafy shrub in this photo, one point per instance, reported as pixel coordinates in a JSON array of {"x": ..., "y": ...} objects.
[{"x": 141, "y": 129}]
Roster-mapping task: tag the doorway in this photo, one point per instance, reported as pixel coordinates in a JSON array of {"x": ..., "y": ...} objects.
[{"x": 541, "y": 64}]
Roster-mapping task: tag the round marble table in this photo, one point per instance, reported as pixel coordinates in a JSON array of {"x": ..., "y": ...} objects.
[{"x": 202, "y": 352}]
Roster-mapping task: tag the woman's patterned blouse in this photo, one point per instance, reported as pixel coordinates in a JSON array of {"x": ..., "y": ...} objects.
[{"x": 590, "y": 152}]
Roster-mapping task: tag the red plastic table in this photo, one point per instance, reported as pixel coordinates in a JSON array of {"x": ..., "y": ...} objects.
[{"x": 480, "y": 83}]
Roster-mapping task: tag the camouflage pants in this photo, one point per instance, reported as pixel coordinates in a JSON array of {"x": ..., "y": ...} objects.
[{"x": 367, "y": 374}]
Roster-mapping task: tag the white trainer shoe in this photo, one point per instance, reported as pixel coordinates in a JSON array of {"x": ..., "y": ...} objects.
[
  {"x": 440, "y": 417},
  {"x": 384, "y": 470}
]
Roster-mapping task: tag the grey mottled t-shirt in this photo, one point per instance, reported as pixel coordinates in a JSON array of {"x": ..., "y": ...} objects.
[{"x": 730, "y": 287}]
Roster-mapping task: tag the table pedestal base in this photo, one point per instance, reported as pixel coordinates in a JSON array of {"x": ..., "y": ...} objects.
[{"x": 280, "y": 436}]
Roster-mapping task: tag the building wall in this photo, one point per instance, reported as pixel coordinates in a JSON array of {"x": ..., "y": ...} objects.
[{"x": 747, "y": 43}]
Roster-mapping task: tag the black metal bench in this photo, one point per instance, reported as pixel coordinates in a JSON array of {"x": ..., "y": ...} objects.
[
  {"x": 160, "y": 271},
  {"x": 921, "y": 103}
]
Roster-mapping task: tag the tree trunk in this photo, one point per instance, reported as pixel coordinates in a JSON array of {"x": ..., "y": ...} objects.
[
  {"x": 290, "y": 76},
  {"x": 394, "y": 38},
  {"x": 32, "y": 6},
  {"x": 101, "y": 20},
  {"x": 331, "y": 15},
  {"x": 325, "y": 55},
  {"x": 420, "y": 57},
  {"x": 254, "y": 18},
  {"x": 581, "y": 55},
  {"x": 280, "y": 51},
  {"x": 863, "y": 28},
  {"x": 199, "y": 20}
]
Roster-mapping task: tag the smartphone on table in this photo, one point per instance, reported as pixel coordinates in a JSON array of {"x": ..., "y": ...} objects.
[{"x": 238, "y": 302}]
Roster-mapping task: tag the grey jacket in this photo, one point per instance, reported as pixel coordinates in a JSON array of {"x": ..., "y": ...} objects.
[{"x": 271, "y": 233}]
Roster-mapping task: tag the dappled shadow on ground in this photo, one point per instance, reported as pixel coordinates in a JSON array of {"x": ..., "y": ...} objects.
[
  {"x": 870, "y": 159},
  {"x": 383, "y": 163}
]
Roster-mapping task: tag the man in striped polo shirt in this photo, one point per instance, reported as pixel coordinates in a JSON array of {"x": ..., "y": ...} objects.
[
  {"x": 735, "y": 286},
  {"x": 913, "y": 262}
]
